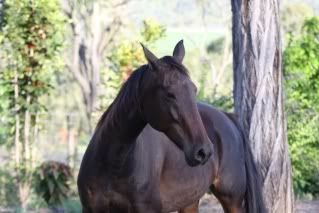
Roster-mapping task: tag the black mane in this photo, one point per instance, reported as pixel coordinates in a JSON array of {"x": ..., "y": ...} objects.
[{"x": 126, "y": 98}]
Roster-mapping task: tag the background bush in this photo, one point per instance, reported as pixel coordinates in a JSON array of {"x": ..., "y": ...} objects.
[
  {"x": 301, "y": 68},
  {"x": 52, "y": 182}
]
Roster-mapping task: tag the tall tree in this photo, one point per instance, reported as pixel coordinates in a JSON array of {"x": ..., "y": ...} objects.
[
  {"x": 93, "y": 26},
  {"x": 31, "y": 38},
  {"x": 258, "y": 95}
]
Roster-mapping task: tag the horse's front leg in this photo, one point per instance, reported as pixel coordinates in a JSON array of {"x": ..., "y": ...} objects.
[{"x": 190, "y": 209}]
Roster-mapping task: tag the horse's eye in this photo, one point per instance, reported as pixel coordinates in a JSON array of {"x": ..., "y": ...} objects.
[{"x": 171, "y": 95}]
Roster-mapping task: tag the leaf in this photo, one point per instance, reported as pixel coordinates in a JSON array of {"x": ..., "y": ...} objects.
[{"x": 50, "y": 186}]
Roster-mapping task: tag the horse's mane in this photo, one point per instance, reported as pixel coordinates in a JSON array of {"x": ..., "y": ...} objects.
[
  {"x": 127, "y": 97},
  {"x": 129, "y": 93}
]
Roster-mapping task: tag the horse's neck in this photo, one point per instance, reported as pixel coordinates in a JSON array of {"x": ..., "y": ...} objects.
[
  {"x": 116, "y": 140},
  {"x": 126, "y": 128}
]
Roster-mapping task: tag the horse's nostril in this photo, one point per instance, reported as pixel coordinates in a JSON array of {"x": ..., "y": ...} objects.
[{"x": 200, "y": 155}]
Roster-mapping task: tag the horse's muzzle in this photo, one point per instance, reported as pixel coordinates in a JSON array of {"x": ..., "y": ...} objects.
[{"x": 200, "y": 155}]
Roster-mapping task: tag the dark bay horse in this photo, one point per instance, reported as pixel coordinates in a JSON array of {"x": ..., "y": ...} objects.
[{"x": 156, "y": 150}]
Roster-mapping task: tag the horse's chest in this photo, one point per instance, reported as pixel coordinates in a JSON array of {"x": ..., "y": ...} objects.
[
  {"x": 180, "y": 188},
  {"x": 176, "y": 198},
  {"x": 127, "y": 195}
]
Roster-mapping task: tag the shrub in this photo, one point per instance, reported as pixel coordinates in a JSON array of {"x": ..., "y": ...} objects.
[
  {"x": 301, "y": 69},
  {"x": 52, "y": 182}
]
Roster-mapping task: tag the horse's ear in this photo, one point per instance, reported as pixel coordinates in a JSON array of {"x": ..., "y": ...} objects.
[
  {"x": 150, "y": 57},
  {"x": 179, "y": 51}
]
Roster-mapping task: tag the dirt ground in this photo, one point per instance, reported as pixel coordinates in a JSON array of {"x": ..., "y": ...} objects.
[{"x": 209, "y": 204}]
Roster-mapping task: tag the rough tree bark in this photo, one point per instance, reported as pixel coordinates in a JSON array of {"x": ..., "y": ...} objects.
[{"x": 258, "y": 95}]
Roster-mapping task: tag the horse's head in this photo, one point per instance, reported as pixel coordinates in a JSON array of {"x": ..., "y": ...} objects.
[{"x": 169, "y": 105}]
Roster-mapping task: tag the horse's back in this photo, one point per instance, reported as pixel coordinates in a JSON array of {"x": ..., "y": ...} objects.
[
  {"x": 230, "y": 176},
  {"x": 215, "y": 119}
]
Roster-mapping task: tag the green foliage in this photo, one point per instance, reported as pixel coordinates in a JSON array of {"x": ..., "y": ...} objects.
[
  {"x": 52, "y": 182},
  {"x": 8, "y": 189},
  {"x": 31, "y": 38},
  {"x": 301, "y": 69},
  {"x": 152, "y": 31},
  {"x": 32, "y": 33}
]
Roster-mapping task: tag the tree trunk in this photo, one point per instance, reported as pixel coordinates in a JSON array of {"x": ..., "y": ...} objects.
[
  {"x": 17, "y": 120},
  {"x": 71, "y": 143},
  {"x": 258, "y": 96},
  {"x": 23, "y": 189},
  {"x": 1, "y": 13},
  {"x": 26, "y": 141},
  {"x": 92, "y": 34}
]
